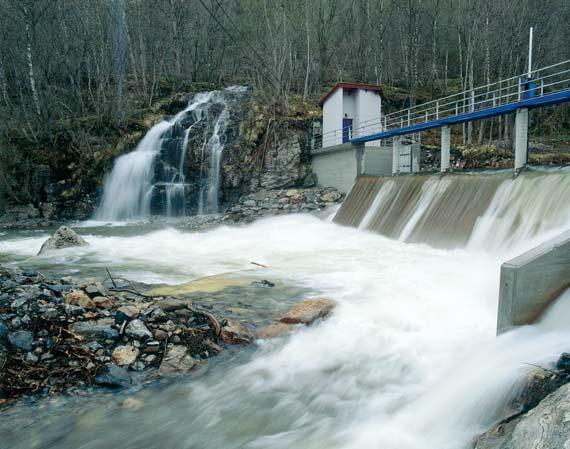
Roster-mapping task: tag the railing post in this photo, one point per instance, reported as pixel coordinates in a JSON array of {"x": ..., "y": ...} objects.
[
  {"x": 519, "y": 90},
  {"x": 445, "y": 148},
  {"x": 472, "y": 100},
  {"x": 426, "y": 116},
  {"x": 409, "y": 116},
  {"x": 456, "y": 108},
  {"x": 494, "y": 101},
  {"x": 437, "y": 110},
  {"x": 541, "y": 87},
  {"x": 385, "y": 124}
]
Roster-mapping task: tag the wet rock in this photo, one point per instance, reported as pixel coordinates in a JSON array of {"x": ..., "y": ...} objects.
[
  {"x": 176, "y": 360},
  {"x": 273, "y": 330},
  {"x": 95, "y": 290},
  {"x": 64, "y": 237},
  {"x": 331, "y": 197},
  {"x": 103, "y": 302},
  {"x": 160, "y": 335},
  {"x": 101, "y": 328},
  {"x": 113, "y": 376},
  {"x": 308, "y": 311},
  {"x": 263, "y": 283},
  {"x": 3, "y": 331},
  {"x": 22, "y": 340},
  {"x": 546, "y": 426},
  {"x": 32, "y": 358},
  {"x": 80, "y": 298},
  {"x": 137, "y": 329},
  {"x": 563, "y": 362},
  {"x": 125, "y": 355},
  {"x": 235, "y": 333}
]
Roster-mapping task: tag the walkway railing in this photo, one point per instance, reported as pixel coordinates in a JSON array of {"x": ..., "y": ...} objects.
[{"x": 544, "y": 81}]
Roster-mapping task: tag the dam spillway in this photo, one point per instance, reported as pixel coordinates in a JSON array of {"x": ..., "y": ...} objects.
[{"x": 477, "y": 210}]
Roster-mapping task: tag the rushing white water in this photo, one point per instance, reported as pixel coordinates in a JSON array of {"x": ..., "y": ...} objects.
[
  {"x": 209, "y": 197},
  {"x": 129, "y": 187},
  {"x": 377, "y": 204},
  {"x": 409, "y": 359}
]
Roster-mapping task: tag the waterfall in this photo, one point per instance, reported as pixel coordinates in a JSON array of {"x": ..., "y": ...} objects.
[
  {"x": 134, "y": 184},
  {"x": 478, "y": 210}
]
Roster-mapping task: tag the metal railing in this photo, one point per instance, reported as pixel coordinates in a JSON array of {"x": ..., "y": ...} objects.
[{"x": 543, "y": 81}]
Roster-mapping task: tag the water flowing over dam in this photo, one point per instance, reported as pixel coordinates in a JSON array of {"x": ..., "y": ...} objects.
[
  {"x": 137, "y": 179},
  {"x": 477, "y": 210}
]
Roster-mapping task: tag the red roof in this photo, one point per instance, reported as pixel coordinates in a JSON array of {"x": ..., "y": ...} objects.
[{"x": 375, "y": 87}]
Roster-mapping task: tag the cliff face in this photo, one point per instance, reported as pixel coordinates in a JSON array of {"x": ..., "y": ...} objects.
[{"x": 265, "y": 147}]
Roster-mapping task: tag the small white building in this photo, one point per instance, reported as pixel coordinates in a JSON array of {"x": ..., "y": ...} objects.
[{"x": 351, "y": 110}]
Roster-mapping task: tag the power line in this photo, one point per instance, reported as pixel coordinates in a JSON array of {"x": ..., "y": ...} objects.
[{"x": 224, "y": 29}]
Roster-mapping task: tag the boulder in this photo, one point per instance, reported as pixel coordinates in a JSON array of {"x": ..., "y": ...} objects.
[
  {"x": 273, "y": 330},
  {"x": 176, "y": 360},
  {"x": 64, "y": 237},
  {"x": 125, "y": 355},
  {"x": 103, "y": 302},
  {"x": 308, "y": 311},
  {"x": 546, "y": 426},
  {"x": 235, "y": 333},
  {"x": 81, "y": 299},
  {"x": 137, "y": 329}
]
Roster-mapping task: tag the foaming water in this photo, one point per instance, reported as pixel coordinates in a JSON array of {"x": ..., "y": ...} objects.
[{"x": 409, "y": 359}]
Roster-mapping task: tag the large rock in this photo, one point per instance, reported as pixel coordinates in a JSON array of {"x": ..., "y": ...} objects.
[
  {"x": 113, "y": 376},
  {"x": 137, "y": 329},
  {"x": 273, "y": 330},
  {"x": 235, "y": 333},
  {"x": 22, "y": 340},
  {"x": 177, "y": 360},
  {"x": 547, "y": 426},
  {"x": 308, "y": 311},
  {"x": 100, "y": 328},
  {"x": 64, "y": 237}
]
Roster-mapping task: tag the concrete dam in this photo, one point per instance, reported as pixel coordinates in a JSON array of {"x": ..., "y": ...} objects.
[{"x": 479, "y": 210}]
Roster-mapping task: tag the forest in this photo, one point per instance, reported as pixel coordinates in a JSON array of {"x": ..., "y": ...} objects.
[{"x": 73, "y": 68}]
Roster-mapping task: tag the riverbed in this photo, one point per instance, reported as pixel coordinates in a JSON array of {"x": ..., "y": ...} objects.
[{"x": 408, "y": 360}]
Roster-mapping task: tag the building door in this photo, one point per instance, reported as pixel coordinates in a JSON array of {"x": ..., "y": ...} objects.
[{"x": 346, "y": 129}]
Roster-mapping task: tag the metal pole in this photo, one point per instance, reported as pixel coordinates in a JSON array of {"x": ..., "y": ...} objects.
[{"x": 530, "y": 53}]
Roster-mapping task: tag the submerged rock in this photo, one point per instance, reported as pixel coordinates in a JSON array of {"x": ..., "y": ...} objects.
[
  {"x": 308, "y": 311},
  {"x": 64, "y": 237},
  {"x": 176, "y": 360},
  {"x": 113, "y": 376},
  {"x": 236, "y": 333},
  {"x": 274, "y": 330}
]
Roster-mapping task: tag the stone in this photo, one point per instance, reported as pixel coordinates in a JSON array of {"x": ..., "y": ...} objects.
[
  {"x": 64, "y": 237},
  {"x": 80, "y": 298},
  {"x": 22, "y": 340},
  {"x": 137, "y": 329},
  {"x": 126, "y": 313},
  {"x": 563, "y": 362},
  {"x": 176, "y": 360},
  {"x": 100, "y": 328},
  {"x": 133, "y": 404},
  {"x": 308, "y": 311},
  {"x": 546, "y": 426},
  {"x": 273, "y": 330},
  {"x": 235, "y": 333},
  {"x": 331, "y": 197},
  {"x": 160, "y": 335},
  {"x": 95, "y": 290},
  {"x": 263, "y": 283},
  {"x": 124, "y": 355},
  {"x": 32, "y": 358},
  {"x": 103, "y": 302},
  {"x": 113, "y": 376},
  {"x": 169, "y": 305},
  {"x": 3, "y": 331}
]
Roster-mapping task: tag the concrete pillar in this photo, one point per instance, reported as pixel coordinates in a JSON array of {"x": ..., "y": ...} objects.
[
  {"x": 445, "y": 148},
  {"x": 415, "y": 152},
  {"x": 521, "y": 138},
  {"x": 359, "y": 153},
  {"x": 396, "y": 150}
]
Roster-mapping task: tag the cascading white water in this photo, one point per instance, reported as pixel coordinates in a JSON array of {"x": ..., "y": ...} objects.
[
  {"x": 209, "y": 196},
  {"x": 128, "y": 188}
]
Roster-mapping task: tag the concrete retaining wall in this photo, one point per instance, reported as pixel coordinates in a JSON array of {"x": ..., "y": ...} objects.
[
  {"x": 531, "y": 281},
  {"x": 377, "y": 161},
  {"x": 338, "y": 166}
]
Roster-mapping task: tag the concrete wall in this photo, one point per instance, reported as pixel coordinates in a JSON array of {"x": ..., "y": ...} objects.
[
  {"x": 377, "y": 161},
  {"x": 332, "y": 119},
  {"x": 531, "y": 281},
  {"x": 337, "y": 166}
]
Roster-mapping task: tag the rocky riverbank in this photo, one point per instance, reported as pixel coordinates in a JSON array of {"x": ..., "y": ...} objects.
[{"x": 62, "y": 334}]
